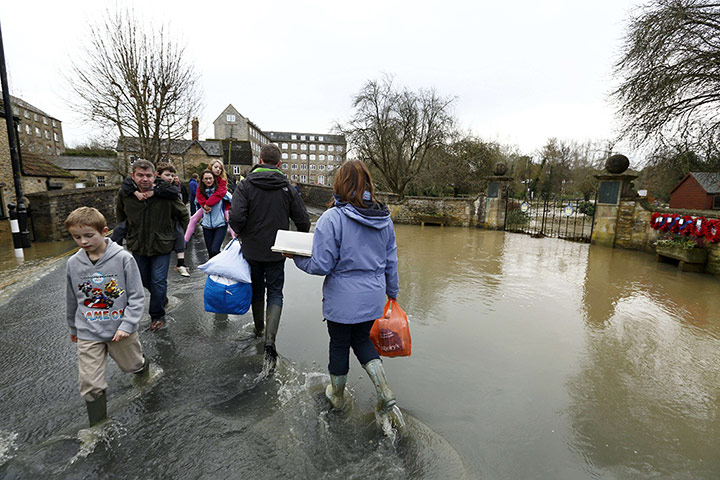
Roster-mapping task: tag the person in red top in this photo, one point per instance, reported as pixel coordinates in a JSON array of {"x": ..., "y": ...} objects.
[{"x": 218, "y": 169}]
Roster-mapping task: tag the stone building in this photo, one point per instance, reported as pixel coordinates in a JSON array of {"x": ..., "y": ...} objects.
[
  {"x": 38, "y": 133},
  {"x": 310, "y": 157},
  {"x": 90, "y": 171},
  {"x": 188, "y": 156},
  {"x": 242, "y": 139}
]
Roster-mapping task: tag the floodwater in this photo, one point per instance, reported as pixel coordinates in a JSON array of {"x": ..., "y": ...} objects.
[{"x": 532, "y": 358}]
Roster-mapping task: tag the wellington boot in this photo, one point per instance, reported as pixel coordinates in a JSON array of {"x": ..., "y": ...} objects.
[
  {"x": 273, "y": 322},
  {"x": 144, "y": 373},
  {"x": 258, "y": 312},
  {"x": 97, "y": 409},
  {"x": 386, "y": 399},
  {"x": 335, "y": 392}
]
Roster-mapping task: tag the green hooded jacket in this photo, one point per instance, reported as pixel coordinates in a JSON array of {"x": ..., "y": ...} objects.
[{"x": 150, "y": 223}]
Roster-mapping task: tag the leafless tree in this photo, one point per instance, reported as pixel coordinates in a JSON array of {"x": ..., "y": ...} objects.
[
  {"x": 670, "y": 71},
  {"x": 395, "y": 129},
  {"x": 136, "y": 81}
]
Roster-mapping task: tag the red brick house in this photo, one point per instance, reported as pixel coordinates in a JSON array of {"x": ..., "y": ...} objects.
[{"x": 697, "y": 191}]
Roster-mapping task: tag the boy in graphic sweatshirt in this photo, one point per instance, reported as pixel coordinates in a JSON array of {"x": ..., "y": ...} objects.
[{"x": 105, "y": 301}]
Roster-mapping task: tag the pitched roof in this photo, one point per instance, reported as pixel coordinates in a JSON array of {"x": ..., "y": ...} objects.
[
  {"x": 107, "y": 164},
  {"x": 710, "y": 181},
  {"x": 177, "y": 147},
  {"x": 37, "y": 166}
]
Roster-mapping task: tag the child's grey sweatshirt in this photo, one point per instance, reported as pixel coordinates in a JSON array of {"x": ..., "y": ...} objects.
[{"x": 105, "y": 296}]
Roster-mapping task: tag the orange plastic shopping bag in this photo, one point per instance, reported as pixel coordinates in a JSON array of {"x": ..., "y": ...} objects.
[{"x": 391, "y": 336}]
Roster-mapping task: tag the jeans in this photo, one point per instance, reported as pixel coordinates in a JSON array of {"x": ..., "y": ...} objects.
[
  {"x": 153, "y": 271},
  {"x": 213, "y": 239},
  {"x": 342, "y": 337},
  {"x": 270, "y": 276}
]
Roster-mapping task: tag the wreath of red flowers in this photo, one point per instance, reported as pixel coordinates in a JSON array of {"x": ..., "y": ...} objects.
[
  {"x": 699, "y": 227},
  {"x": 676, "y": 223},
  {"x": 655, "y": 220},
  {"x": 711, "y": 231},
  {"x": 687, "y": 226}
]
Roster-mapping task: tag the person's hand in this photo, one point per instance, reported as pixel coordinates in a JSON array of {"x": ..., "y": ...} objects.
[
  {"x": 73, "y": 338},
  {"x": 287, "y": 255},
  {"x": 139, "y": 195},
  {"x": 120, "y": 335},
  {"x": 207, "y": 208},
  {"x": 149, "y": 194}
]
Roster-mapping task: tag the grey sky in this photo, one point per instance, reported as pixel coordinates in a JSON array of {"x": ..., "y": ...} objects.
[{"x": 522, "y": 71}]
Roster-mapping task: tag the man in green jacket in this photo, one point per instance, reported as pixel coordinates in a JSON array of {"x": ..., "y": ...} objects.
[{"x": 151, "y": 234}]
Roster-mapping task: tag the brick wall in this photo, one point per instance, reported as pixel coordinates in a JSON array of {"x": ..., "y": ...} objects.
[{"x": 48, "y": 210}]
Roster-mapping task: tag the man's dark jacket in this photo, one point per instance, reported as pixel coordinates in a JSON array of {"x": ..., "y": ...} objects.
[
  {"x": 261, "y": 205},
  {"x": 151, "y": 222}
]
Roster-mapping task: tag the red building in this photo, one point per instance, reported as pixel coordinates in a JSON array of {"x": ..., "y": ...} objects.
[{"x": 697, "y": 191}]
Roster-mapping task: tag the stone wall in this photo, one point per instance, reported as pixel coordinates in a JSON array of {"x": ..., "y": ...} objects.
[
  {"x": 411, "y": 210},
  {"x": 48, "y": 210}
]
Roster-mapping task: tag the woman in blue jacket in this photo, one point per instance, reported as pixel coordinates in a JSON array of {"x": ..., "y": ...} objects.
[
  {"x": 213, "y": 222},
  {"x": 354, "y": 247}
]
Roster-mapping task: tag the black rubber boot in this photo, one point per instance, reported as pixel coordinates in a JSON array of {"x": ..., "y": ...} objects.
[
  {"x": 144, "y": 373},
  {"x": 258, "y": 312},
  {"x": 97, "y": 409},
  {"x": 273, "y": 322}
]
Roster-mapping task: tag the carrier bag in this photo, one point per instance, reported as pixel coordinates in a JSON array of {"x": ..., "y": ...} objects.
[
  {"x": 391, "y": 336},
  {"x": 223, "y": 295},
  {"x": 229, "y": 263}
]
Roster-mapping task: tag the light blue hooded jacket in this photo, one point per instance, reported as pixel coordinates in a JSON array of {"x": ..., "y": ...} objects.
[
  {"x": 216, "y": 217},
  {"x": 355, "y": 249}
]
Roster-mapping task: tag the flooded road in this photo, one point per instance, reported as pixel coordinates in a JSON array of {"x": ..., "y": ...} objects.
[{"x": 532, "y": 358}]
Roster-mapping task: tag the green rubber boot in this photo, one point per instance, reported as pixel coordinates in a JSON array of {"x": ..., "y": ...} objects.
[
  {"x": 335, "y": 392},
  {"x": 258, "y": 312},
  {"x": 97, "y": 409},
  {"x": 386, "y": 399},
  {"x": 144, "y": 373},
  {"x": 273, "y": 322}
]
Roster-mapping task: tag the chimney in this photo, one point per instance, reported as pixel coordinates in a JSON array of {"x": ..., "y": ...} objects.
[{"x": 195, "y": 128}]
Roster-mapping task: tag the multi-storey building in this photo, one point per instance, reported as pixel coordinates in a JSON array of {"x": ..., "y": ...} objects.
[
  {"x": 242, "y": 139},
  {"x": 310, "y": 157},
  {"x": 38, "y": 132}
]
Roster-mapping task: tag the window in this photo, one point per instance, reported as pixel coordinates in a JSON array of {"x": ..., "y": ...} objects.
[
  {"x": 303, "y": 178},
  {"x": 302, "y": 137},
  {"x": 312, "y": 166},
  {"x": 294, "y": 166},
  {"x": 320, "y": 139},
  {"x": 339, "y": 158},
  {"x": 339, "y": 148},
  {"x": 716, "y": 202},
  {"x": 230, "y": 118},
  {"x": 303, "y": 166},
  {"x": 28, "y": 130},
  {"x": 321, "y": 148},
  {"x": 303, "y": 156},
  {"x": 312, "y": 156},
  {"x": 27, "y": 114},
  {"x": 48, "y": 149},
  {"x": 293, "y": 156},
  {"x": 331, "y": 148},
  {"x": 37, "y": 132},
  {"x": 284, "y": 146},
  {"x": 236, "y": 170},
  {"x": 45, "y": 120},
  {"x": 100, "y": 181},
  {"x": 132, "y": 159},
  {"x": 293, "y": 146},
  {"x": 293, "y": 137},
  {"x": 47, "y": 134},
  {"x": 331, "y": 158},
  {"x": 56, "y": 136},
  {"x": 294, "y": 177},
  {"x": 303, "y": 146},
  {"x": 322, "y": 157},
  {"x": 284, "y": 156},
  {"x": 32, "y": 147},
  {"x": 54, "y": 123},
  {"x": 284, "y": 166},
  {"x": 321, "y": 179},
  {"x": 312, "y": 138},
  {"x": 330, "y": 167},
  {"x": 312, "y": 147},
  {"x": 321, "y": 167},
  {"x": 35, "y": 117}
]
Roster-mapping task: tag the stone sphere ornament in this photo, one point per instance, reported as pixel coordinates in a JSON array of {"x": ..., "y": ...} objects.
[
  {"x": 500, "y": 169},
  {"x": 617, "y": 164}
]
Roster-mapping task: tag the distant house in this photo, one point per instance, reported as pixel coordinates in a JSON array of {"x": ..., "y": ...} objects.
[
  {"x": 91, "y": 171},
  {"x": 697, "y": 191},
  {"x": 186, "y": 155},
  {"x": 40, "y": 174}
]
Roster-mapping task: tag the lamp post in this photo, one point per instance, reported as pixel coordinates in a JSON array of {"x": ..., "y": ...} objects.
[{"x": 18, "y": 212}]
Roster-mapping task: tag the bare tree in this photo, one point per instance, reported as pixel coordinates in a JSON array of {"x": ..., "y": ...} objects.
[
  {"x": 395, "y": 130},
  {"x": 136, "y": 83},
  {"x": 670, "y": 70}
]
